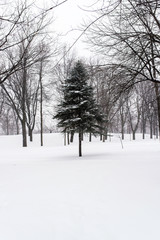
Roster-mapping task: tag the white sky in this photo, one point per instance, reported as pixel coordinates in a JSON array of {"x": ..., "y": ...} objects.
[{"x": 70, "y": 16}]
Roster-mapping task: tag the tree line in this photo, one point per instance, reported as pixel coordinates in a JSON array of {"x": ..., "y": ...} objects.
[
  {"x": 123, "y": 84},
  {"x": 25, "y": 47},
  {"x": 126, "y": 33}
]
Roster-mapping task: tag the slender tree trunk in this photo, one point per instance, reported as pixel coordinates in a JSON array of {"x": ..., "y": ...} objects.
[
  {"x": 68, "y": 138},
  {"x": 65, "y": 139},
  {"x": 90, "y": 137},
  {"x": 106, "y": 133},
  {"x": 155, "y": 128},
  {"x": 82, "y": 135},
  {"x": 24, "y": 132},
  {"x": 72, "y": 136},
  {"x": 122, "y": 132},
  {"x": 101, "y": 136},
  {"x": 30, "y": 135},
  {"x": 41, "y": 102},
  {"x": 122, "y": 120},
  {"x": 104, "y": 138},
  {"x": 158, "y": 104},
  {"x": 151, "y": 130},
  {"x": 7, "y": 122},
  {"x": 80, "y": 143},
  {"x": 156, "y": 85},
  {"x": 17, "y": 126},
  {"x": 143, "y": 129},
  {"x": 143, "y": 122},
  {"x": 143, "y": 133},
  {"x": 157, "y": 133}
]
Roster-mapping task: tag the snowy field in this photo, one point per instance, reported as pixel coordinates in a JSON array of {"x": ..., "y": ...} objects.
[{"x": 49, "y": 193}]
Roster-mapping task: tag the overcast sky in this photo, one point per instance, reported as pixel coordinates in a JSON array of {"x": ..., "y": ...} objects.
[{"x": 70, "y": 16}]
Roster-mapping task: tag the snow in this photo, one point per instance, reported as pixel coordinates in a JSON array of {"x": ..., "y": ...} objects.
[
  {"x": 75, "y": 91},
  {"x": 50, "y": 193}
]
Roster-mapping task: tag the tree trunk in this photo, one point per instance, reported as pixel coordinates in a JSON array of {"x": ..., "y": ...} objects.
[
  {"x": 65, "y": 139},
  {"x": 143, "y": 129},
  {"x": 80, "y": 143},
  {"x": 157, "y": 133},
  {"x": 24, "y": 133},
  {"x": 17, "y": 126},
  {"x": 68, "y": 138},
  {"x": 106, "y": 134},
  {"x": 158, "y": 104},
  {"x": 82, "y": 135},
  {"x": 72, "y": 136},
  {"x": 151, "y": 130},
  {"x": 90, "y": 137},
  {"x": 104, "y": 138},
  {"x": 7, "y": 125},
  {"x": 156, "y": 86},
  {"x": 24, "y": 83},
  {"x": 101, "y": 136},
  {"x": 122, "y": 133},
  {"x": 41, "y": 103},
  {"x": 155, "y": 126},
  {"x": 30, "y": 135},
  {"x": 143, "y": 134},
  {"x": 134, "y": 135},
  {"x": 143, "y": 122},
  {"x": 122, "y": 121}
]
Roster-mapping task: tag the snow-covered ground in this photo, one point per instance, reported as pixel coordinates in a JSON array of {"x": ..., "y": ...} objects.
[{"x": 49, "y": 193}]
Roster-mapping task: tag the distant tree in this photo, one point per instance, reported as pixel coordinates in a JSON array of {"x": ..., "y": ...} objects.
[
  {"x": 134, "y": 111},
  {"x": 78, "y": 111},
  {"x": 15, "y": 16},
  {"x": 42, "y": 67},
  {"x": 127, "y": 33}
]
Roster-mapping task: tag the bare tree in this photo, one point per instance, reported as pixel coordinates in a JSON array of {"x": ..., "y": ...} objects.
[
  {"x": 22, "y": 86},
  {"x": 123, "y": 112},
  {"x": 129, "y": 38},
  {"x": 42, "y": 65},
  {"x": 14, "y": 15}
]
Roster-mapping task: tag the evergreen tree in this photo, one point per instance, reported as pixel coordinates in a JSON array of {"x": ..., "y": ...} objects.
[{"x": 78, "y": 111}]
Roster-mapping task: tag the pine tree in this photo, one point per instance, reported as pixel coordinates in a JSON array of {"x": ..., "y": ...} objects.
[{"x": 78, "y": 111}]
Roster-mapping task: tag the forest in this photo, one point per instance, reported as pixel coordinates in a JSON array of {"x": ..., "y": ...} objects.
[{"x": 123, "y": 73}]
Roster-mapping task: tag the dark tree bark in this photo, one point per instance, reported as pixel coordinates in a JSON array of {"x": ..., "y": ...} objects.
[
  {"x": 68, "y": 138},
  {"x": 80, "y": 143},
  {"x": 134, "y": 135},
  {"x": 158, "y": 104},
  {"x": 24, "y": 132},
  {"x": 90, "y": 137},
  {"x": 72, "y": 136},
  {"x": 41, "y": 101},
  {"x": 30, "y": 134}
]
